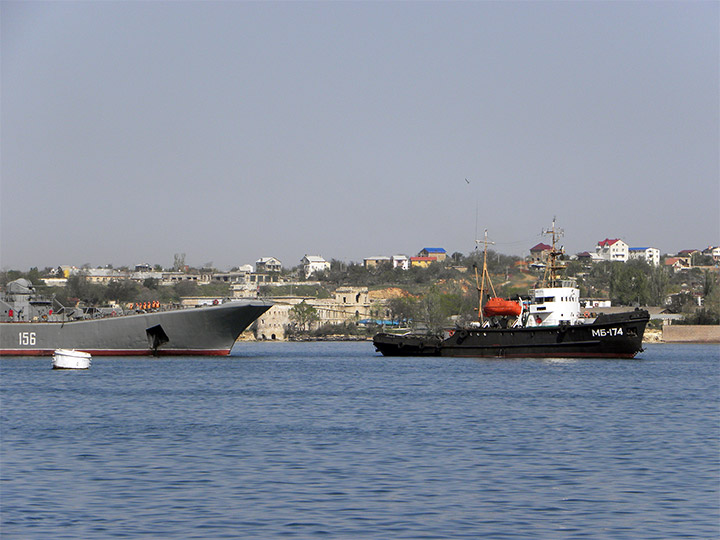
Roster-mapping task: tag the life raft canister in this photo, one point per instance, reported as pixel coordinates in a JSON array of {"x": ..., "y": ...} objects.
[{"x": 499, "y": 307}]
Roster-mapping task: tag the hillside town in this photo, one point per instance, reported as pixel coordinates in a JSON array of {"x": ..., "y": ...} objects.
[
  {"x": 268, "y": 270},
  {"x": 299, "y": 304}
]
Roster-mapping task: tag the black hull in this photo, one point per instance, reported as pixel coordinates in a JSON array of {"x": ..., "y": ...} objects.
[{"x": 609, "y": 336}]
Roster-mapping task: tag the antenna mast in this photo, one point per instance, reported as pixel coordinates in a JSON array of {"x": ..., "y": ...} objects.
[
  {"x": 553, "y": 267},
  {"x": 485, "y": 275}
]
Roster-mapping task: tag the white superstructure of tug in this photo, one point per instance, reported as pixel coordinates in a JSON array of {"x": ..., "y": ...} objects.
[
  {"x": 556, "y": 301},
  {"x": 552, "y": 306}
]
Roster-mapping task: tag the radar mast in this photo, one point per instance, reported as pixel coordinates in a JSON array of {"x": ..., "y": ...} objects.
[{"x": 554, "y": 267}]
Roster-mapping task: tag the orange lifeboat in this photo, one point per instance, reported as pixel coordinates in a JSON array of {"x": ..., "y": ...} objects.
[{"x": 499, "y": 307}]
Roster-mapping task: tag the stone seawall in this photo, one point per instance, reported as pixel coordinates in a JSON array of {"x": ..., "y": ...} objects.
[{"x": 691, "y": 333}]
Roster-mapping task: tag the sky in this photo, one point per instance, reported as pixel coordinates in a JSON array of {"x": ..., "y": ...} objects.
[{"x": 229, "y": 131}]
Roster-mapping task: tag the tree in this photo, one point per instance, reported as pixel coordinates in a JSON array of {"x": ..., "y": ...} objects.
[
  {"x": 122, "y": 291},
  {"x": 403, "y": 309},
  {"x": 629, "y": 283},
  {"x": 151, "y": 283},
  {"x": 698, "y": 259},
  {"x": 186, "y": 288},
  {"x": 658, "y": 284},
  {"x": 708, "y": 283},
  {"x": 433, "y": 311},
  {"x": 573, "y": 268},
  {"x": 179, "y": 264},
  {"x": 303, "y": 314},
  {"x": 78, "y": 287}
]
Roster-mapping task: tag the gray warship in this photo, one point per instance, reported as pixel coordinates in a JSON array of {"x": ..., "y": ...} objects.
[{"x": 33, "y": 325}]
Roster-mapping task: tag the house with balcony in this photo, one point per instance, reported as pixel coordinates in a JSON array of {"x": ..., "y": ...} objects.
[
  {"x": 612, "y": 250},
  {"x": 268, "y": 264},
  {"x": 648, "y": 254}
]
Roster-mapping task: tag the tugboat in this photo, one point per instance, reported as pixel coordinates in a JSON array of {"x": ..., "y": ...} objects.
[{"x": 548, "y": 324}]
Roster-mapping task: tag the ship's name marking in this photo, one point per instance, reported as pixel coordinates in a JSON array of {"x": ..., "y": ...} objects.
[{"x": 606, "y": 332}]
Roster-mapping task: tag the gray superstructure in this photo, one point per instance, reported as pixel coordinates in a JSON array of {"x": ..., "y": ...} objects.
[{"x": 33, "y": 326}]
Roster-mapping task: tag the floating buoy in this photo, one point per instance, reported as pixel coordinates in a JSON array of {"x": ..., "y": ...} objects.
[{"x": 71, "y": 359}]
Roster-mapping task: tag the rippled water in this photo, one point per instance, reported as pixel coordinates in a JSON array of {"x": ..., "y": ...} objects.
[{"x": 308, "y": 440}]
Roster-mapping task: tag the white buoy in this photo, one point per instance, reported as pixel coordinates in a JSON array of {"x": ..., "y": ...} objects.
[{"x": 71, "y": 359}]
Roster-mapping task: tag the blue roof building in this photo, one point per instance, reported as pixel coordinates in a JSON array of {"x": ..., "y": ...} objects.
[{"x": 439, "y": 253}]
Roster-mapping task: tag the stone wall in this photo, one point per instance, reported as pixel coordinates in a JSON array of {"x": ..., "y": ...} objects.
[{"x": 680, "y": 333}]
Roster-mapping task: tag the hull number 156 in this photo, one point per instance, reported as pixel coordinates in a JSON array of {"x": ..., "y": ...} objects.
[{"x": 26, "y": 338}]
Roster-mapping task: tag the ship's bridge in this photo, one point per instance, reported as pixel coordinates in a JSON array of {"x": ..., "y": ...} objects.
[{"x": 554, "y": 305}]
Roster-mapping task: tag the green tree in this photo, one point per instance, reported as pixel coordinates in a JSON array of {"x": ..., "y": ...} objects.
[
  {"x": 709, "y": 283},
  {"x": 629, "y": 283},
  {"x": 186, "y": 288},
  {"x": 712, "y": 301},
  {"x": 437, "y": 307},
  {"x": 151, "y": 283},
  {"x": 303, "y": 314},
  {"x": 658, "y": 283},
  {"x": 573, "y": 268},
  {"x": 122, "y": 291},
  {"x": 431, "y": 312},
  {"x": 403, "y": 309}
]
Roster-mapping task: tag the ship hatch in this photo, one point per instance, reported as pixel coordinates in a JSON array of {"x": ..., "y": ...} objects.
[{"x": 156, "y": 337}]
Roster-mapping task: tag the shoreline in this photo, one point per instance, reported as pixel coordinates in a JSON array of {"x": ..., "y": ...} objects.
[{"x": 679, "y": 334}]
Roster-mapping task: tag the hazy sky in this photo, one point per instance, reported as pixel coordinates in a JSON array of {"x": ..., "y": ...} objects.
[{"x": 230, "y": 131}]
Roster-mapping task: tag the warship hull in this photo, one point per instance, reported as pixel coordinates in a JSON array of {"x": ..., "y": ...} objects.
[
  {"x": 609, "y": 336},
  {"x": 203, "y": 331}
]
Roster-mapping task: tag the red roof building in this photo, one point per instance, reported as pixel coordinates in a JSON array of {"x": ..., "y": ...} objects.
[{"x": 540, "y": 252}]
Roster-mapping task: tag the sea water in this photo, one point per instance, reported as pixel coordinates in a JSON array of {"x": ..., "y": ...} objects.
[{"x": 331, "y": 440}]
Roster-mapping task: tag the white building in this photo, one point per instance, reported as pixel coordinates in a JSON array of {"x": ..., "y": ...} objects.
[
  {"x": 712, "y": 251},
  {"x": 268, "y": 264},
  {"x": 349, "y": 304},
  {"x": 612, "y": 250},
  {"x": 400, "y": 261},
  {"x": 648, "y": 254},
  {"x": 314, "y": 263}
]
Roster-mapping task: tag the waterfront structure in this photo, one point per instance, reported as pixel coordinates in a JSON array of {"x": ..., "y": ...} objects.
[{"x": 348, "y": 304}]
